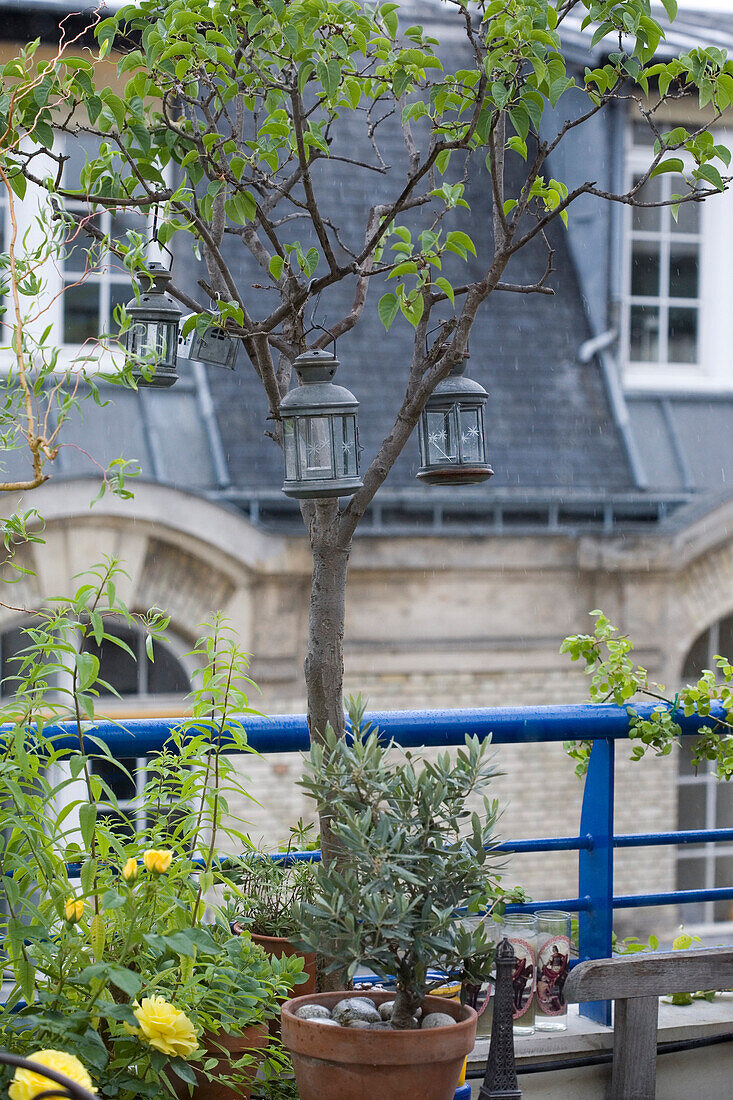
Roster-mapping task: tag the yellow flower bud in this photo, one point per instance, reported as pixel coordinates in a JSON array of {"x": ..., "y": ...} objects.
[
  {"x": 157, "y": 860},
  {"x": 74, "y": 909},
  {"x": 26, "y": 1084},
  {"x": 129, "y": 871},
  {"x": 165, "y": 1027}
]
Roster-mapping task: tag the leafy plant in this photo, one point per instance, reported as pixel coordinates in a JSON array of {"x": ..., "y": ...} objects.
[
  {"x": 631, "y": 945},
  {"x": 265, "y": 892},
  {"x": 616, "y": 678},
  {"x": 115, "y": 949},
  {"x": 412, "y": 853}
]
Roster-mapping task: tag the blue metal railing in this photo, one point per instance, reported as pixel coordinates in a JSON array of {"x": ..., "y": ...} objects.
[{"x": 595, "y": 842}]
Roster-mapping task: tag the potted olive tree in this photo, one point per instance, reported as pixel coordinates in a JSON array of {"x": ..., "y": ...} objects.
[{"x": 415, "y": 839}]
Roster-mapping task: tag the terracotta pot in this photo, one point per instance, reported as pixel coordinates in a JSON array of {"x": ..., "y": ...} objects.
[
  {"x": 254, "y": 1039},
  {"x": 336, "y": 1063},
  {"x": 279, "y": 947}
]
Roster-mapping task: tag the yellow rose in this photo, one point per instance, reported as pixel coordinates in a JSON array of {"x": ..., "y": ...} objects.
[
  {"x": 157, "y": 860},
  {"x": 73, "y": 909},
  {"x": 129, "y": 871},
  {"x": 165, "y": 1027},
  {"x": 26, "y": 1085}
]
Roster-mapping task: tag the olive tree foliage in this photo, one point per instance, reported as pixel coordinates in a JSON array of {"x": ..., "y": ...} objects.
[{"x": 232, "y": 108}]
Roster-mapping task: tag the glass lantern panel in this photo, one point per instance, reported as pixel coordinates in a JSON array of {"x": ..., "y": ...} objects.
[
  {"x": 345, "y": 434},
  {"x": 441, "y": 435},
  {"x": 472, "y": 436},
  {"x": 314, "y": 447},
  {"x": 289, "y": 446},
  {"x": 153, "y": 341}
]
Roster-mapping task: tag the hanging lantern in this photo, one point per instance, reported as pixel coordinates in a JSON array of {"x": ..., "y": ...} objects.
[
  {"x": 214, "y": 347},
  {"x": 320, "y": 433},
  {"x": 451, "y": 432},
  {"x": 151, "y": 341}
]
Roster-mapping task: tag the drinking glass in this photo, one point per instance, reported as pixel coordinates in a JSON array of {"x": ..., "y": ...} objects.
[
  {"x": 521, "y": 931},
  {"x": 553, "y": 962}
]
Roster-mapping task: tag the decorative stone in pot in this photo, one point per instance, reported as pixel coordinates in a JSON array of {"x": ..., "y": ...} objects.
[{"x": 361, "y": 1063}]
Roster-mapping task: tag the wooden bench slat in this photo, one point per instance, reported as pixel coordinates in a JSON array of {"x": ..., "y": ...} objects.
[{"x": 650, "y": 975}]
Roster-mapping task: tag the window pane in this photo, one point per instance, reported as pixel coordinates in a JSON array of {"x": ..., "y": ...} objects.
[
  {"x": 81, "y": 312},
  {"x": 688, "y": 215},
  {"x": 724, "y": 877},
  {"x": 346, "y": 446},
  {"x": 645, "y": 269},
  {"x": 471, "y": 448},
  {"x": 121, "y": 783},
  {"x": 314, "y": 438},
  {"x": 644, "y": 335},
  {"x": 441, "y": 437},
  {"x": 682, "y": 335},
  {"x": 166, "y": 675},
  {"x": 691, "y": 798},
  {"x": 725, "y": 637},
  {"x": 683, "y": 270},
  {"x": 289, "y": 446},
  {"x": 83, "y": 251},
  {"x": 647, "y": 219},
  {"x": 119, "y": 295},
  {"x": 724, "y": 806},
  {"x": 116, "y": 666}
]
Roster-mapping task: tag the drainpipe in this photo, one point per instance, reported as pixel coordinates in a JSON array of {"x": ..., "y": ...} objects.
[{"x": 598, "y": 346}]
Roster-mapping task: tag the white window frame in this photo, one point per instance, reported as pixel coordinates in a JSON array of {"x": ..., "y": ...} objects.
[
  {"x": 713, "y": 372},
  {"x": 92, "y": 358}
]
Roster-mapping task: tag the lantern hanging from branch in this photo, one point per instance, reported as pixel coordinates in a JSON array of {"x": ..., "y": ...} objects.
[
  {"x": 214, "y": 347},
  {"x": 151, "y": 341},
  {"x": 320, "y": 432},
  {"x": 451, "y": 432}
]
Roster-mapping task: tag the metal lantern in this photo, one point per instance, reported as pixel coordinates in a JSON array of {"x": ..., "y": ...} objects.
[
  {"x": 151, "y": 341},
  {"x": 320, "y": 433},
  {"x": 214, "y": 347},
  {"x": 451, "y": 432}
]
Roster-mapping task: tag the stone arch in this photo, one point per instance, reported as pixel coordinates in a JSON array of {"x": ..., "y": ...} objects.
[{"x": 182, "y": 553}]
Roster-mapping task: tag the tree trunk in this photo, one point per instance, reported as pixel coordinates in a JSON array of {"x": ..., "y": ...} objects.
[{"x": 324, "y": 661}]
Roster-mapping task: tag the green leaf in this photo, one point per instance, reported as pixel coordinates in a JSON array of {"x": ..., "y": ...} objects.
[
  {"x": 87, "y": 666},
  {"x": 276, "y": 265},
  {"x": 388, "y": 309},
  {"x": 87, "y": 823},
  {"x": 674, "y": 164},
  {"x": 241, "y": 208},
  {"x": 711, "y": 174},
  {"x": 460, "y": 242},
  {"x": 447, "y": 289},
  {"x": 409, "y": 267},
  {"x": 670, "y": 6}
]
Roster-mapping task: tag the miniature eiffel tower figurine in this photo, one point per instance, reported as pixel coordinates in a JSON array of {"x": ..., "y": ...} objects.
[{"x": 500, "y": 1081}]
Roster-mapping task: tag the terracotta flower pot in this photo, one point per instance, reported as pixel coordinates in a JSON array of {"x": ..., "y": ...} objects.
[
  {"x": 253, "y": 1039},
  {"x": 333, "y": 1063},
  {"x": 279, "y": 947}
]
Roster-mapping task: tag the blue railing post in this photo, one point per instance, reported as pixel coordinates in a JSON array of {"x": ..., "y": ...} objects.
[{"x": 595, "y": 867}]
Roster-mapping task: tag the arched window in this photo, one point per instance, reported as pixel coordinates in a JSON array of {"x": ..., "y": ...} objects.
[
  {"x": 702, "y": 801},
  {"x": 138, "y": 680}
]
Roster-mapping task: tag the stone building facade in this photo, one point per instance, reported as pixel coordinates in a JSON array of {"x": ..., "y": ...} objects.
[{"x": 431, "y": 622}]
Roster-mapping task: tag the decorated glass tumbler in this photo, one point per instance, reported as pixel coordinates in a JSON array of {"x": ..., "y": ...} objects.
[
  {"x": 521, "y": 931},
  {"x": 553, "y": 962},
  {"x": 480, "y": 997}
]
